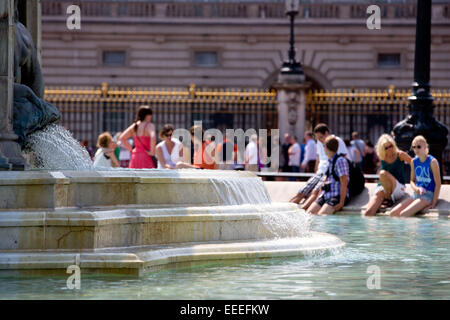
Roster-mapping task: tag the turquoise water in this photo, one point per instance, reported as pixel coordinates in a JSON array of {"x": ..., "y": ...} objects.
[{"x": 412, "y": 255}]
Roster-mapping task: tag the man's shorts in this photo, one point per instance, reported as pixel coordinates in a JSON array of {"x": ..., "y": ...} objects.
[
  {"x": 314, "y": 183},
  {"x": 398, "y": 193},
  {"x": 332, "y": 201}
]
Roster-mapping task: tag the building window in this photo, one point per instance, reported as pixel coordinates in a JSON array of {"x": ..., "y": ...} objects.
[
  {"x": 114, "y": 58},
  {"x": 205, "y": 59},
  {"x": 389, "y": 60}
]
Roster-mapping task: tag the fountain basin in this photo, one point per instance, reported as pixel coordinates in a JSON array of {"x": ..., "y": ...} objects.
[
  {"x": 142, "y": 259},
  {"x": 132, "y": 221}
]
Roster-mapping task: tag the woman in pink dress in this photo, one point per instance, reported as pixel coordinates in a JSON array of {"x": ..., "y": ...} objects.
[{"x": 144, "y": 138}]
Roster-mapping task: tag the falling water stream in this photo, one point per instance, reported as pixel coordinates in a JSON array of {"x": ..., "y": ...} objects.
[
  {"x": 54, "y": 148},
  {"x": 242, "y": 190}
]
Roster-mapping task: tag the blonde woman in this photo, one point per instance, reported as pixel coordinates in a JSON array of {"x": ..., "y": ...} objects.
[
  {"x": 391, "y": 186},
  {"x": 425, "y": 181}
]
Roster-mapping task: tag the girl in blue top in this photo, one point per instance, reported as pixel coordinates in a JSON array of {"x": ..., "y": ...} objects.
[{"x": 425, "y": 181}]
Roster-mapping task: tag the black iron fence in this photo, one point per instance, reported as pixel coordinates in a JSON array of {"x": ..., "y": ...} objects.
[{"x": 87, "y": 112}]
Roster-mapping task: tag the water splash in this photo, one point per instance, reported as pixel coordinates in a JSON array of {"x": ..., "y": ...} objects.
[
  {"x": 239, "y": 191},
  {"x": 54, "y": 148},
  {"x": 287, "y": 224}
]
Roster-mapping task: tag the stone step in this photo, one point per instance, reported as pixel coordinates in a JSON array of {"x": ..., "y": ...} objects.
[
  {"x": 61, "y": 229},
  {"x": 57, "y": 189},
  {"x": 139, "y": 259}
]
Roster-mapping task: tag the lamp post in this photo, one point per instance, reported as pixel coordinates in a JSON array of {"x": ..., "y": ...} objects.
[
  {"x": 420, "y": 120},
  {"x": 292, "y": 69},
  {"x": 291, "y": 85}
]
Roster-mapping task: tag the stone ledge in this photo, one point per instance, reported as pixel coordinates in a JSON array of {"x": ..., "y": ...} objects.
[
  {"x": 136, "y": 260},
  {"x": 96, "y": 217},
  {"x": 81, "y": 229},
  {"x": 83, "y": 189},
  {"x": 283, "y": 191},
  {"x": 14, "y": 178}
]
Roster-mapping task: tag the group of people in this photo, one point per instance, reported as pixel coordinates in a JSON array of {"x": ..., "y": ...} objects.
[
  {"x": 328, "y": 190},
  {"x": 337, "y": 164},
  {"x": 302, "y": 158},
  {"x": 137, "y": 148},
  {"x": 425, "y": 179}
]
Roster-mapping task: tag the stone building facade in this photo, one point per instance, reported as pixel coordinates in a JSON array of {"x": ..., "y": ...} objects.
[{"x": 237, "y": 43}]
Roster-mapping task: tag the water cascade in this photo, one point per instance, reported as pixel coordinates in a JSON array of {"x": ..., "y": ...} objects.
[{"x": 54, "y": 148}]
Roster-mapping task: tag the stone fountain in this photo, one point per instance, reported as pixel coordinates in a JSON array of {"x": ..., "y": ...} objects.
[{"x": 129, "y": 221}]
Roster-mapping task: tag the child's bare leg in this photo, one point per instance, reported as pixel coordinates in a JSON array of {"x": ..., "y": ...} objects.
[
  {"x": 314, "y": 208},
  {"x": 414, "y": 207},
  {"x": 297, "y": 198},
  {"x": 395, "y": 212},
  {"x": 326, "y": 209},
  {"x": 313, "y": 197}
]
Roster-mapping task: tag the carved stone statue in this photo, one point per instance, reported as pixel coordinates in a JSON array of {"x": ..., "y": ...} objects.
[
  {"x": 27, "y": 69},
  {"x": 30, "y": 112}
]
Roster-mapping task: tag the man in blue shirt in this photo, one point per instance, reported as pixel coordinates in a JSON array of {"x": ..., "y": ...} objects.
[{"x": 335, "y": 192}]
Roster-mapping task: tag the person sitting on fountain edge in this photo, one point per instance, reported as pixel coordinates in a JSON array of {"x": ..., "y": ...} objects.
[
  {"x": 391, "y": 186},
  {"x": 169, "y": 151},
  {"x": 425, "y": 182},
  {"x": 335, "y": 192},
  {"x": 314, "y": 184},
  {"x": 104, "y": 157}
]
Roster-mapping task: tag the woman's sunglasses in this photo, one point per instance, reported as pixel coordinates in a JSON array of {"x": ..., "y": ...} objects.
[
  {"x": 388, "y": 147},
  {"x": 414, "y": 147}
]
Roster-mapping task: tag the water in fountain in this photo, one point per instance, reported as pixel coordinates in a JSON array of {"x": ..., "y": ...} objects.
[
  {"x": 235, "y": 191},
  {"x": 54, "y": 148},
  {"x": 239, "y": 191},
  {"x": 287, "y": 224}
]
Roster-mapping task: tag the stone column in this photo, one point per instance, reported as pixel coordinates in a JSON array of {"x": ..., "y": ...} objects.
[
  {"x": 292, "y": 108},
  {"x": 10, "y": 153},
  {"x": 160, "y": 10}
]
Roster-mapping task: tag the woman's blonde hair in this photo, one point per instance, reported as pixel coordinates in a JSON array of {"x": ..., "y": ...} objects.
[
  {"x": 385, "y": 138},
  {"x": 104, "y": 140},
  {"x": 421, "y": 139}
]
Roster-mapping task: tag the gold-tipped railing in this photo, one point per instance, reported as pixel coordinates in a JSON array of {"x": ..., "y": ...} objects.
[
  {"x": 89, "y": 111},
  {"x": 371, "y": 112}
]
